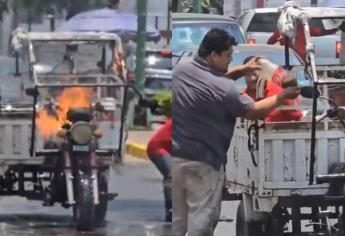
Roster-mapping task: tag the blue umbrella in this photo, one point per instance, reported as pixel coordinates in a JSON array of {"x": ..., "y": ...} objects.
[{"x": 108, "y": 20}]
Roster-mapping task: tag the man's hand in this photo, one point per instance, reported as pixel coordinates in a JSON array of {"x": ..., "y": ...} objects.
[
  {"x": 252, "y": 65},
  {"x": 290, "y": 93},
  {"x": 236, "y": 72}
]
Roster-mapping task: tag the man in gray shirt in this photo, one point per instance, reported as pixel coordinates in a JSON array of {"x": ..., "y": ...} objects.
[{"x": 206, "y": 104}]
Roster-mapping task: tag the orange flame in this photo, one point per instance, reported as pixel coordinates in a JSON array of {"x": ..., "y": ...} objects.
[{"x": 48, "y": 124}]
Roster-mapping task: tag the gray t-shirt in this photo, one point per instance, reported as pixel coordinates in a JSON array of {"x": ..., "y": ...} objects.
[{"x": 205, "y": 107}]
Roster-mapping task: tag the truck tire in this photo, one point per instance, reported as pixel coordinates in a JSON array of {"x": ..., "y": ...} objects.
[
  {"x": 84, "y": 208},
  {"x": 246, "y": 228},
  {"x": 336, "y": 189}
]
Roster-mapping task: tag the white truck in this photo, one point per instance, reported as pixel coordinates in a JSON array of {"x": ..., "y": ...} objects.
[{"x": 291, "y": 175}]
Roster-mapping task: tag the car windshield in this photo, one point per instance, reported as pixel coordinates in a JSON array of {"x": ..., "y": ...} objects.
[{"x": 187, "y": 36}]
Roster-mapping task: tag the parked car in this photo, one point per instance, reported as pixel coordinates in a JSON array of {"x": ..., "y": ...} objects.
[
  {"x": 189, "y": 29},
  {"x": 158, "y": 77},
  {"x": 158, "y": 71},
  {"x": 260, "y": 23},
  {"x": 159, "y": 59}
]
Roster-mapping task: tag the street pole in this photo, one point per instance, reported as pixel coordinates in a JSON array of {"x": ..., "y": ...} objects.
[
  {"x": 141, "y": 42},
  {"x": 29, "y": 19},
  {"x": 196, "y": 6},
  {"x": 313, "y": 3}
]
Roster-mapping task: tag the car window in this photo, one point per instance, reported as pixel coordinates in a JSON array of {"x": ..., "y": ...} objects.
[
  {"x": 263, "y": 22},
  {"x": 187, "y": 36}
]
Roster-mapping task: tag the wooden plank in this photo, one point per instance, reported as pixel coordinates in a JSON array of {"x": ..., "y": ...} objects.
[
  {"x": 322, "y": 159},
  {"x": 333, "y": 151},
  {"x": 303, "y": 135},
  {"x": 277, "y": 151},
  {"x": 2, "y": 139},
  {"x": 292, "y": 185},
  {"x": 268, "y": 160},
  {"x": 288, "y": 160},
  {"x": 342, "y": 149},
  {"x": 17, "y": 139},
  {"x": 8, "y": 140},
  {"x": 26, "y": 131},
  {"x": 300, "y": 160},
  {"x": 14, "y": 122}
]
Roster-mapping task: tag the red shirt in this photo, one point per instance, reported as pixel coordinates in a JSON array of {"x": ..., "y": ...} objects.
[
  {"x": 277, "y": 115},
  {"x": 160, "y": 142}
]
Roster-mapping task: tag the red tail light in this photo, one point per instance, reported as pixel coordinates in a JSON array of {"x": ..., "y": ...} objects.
[
  {"x": 251, "y": 41},
  {"x": 166, "y": 53},
  {"x": 338, "y": 47}
]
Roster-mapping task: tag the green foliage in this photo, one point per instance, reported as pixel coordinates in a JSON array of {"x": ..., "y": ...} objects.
[{"x": 164, "y": 99}]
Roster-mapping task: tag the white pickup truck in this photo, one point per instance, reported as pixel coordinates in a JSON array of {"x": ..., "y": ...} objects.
[{"x": 260, "y": 23}]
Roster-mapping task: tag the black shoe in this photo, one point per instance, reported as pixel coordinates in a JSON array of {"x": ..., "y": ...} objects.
[{"x": 168, "y": 216}]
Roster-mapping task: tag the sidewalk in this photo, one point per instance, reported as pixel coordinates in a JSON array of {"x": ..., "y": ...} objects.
[{"x": 137, "y": 142}]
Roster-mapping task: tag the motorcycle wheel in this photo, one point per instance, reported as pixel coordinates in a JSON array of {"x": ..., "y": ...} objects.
[
  {"x": 84, "y": 208},
  {"x": 101, "y": 208}
]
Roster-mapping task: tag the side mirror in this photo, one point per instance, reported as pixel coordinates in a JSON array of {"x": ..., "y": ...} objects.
[
  {"x": 32, "y": 92},
  {"x": 308, "y": 92}
]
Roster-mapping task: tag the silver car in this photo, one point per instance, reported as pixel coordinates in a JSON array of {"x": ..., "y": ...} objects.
[{"x": 260, "y": 23}]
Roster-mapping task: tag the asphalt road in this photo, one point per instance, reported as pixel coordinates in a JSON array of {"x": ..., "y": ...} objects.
[{"x": 138, "y": 211}]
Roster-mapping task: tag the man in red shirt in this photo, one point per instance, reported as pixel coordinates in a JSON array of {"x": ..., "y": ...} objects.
[
  {"x": 159, "y": 151},
  {"x": 271, "y": 89}
]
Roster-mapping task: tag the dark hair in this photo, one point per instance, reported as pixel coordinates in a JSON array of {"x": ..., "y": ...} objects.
[
  {"x": 245, "y": 61},
  {"x": 216, "y": 40}
]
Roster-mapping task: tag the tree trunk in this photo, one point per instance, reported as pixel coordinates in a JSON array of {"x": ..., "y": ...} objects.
[{"x": 6, "y": 27}]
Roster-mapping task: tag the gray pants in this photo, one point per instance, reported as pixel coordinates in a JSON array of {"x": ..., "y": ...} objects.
[{"x": 196, "y": 197}]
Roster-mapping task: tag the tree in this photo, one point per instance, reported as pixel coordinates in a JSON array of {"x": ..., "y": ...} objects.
[{"x": 3, "y": 8}]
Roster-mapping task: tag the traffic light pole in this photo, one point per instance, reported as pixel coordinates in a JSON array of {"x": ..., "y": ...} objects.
[
  {"x": 196, "y": 6},
  {"x": 141, "y": 44}
]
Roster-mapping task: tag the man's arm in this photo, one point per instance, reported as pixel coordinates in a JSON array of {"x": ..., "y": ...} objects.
[
  {"x": 235, "y": 72},
  {"x": 265, "y": 106}
]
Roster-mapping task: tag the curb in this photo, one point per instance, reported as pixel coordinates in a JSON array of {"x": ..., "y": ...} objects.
[{"x": 137, "y": 150}]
